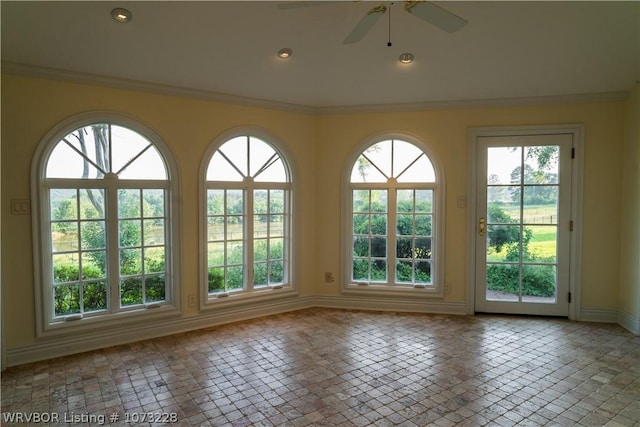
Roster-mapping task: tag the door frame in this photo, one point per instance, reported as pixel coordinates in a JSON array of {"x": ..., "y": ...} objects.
[{"x": 577, "y": 132}]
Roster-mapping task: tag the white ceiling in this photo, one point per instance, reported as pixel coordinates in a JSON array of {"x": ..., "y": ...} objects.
[{"x": 508, "y": 49}]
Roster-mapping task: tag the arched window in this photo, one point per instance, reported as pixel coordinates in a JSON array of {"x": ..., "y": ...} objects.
[
  {"x": 105, "y": 225},
  {"x": 247, "y": 234},
  {"x": 393, "y": 219}
]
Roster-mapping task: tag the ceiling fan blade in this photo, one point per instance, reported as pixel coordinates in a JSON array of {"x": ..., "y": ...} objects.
[
  {"x": 365, "y": 24},
  {"x": 435, "y": 15}
]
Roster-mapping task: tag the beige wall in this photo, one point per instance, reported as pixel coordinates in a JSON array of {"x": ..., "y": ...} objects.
[
  {"x": 319, "y": 145},
  {"x": 630, "y": 210}
]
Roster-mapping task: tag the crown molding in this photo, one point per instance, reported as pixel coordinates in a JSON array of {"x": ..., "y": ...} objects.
[{"x": 15, "y": 68}]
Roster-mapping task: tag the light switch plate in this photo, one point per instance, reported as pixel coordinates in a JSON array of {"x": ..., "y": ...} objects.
[{"x": 20, "y": 207}]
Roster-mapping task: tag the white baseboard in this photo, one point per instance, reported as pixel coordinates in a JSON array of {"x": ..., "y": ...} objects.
[
  {"x": 629, "y": 322},
  {"x": 49, "y": 348},
  {"x": 598, "y": 315}
]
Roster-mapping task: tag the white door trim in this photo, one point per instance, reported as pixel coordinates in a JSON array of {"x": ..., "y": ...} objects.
[{"x": 577, "y": 130}]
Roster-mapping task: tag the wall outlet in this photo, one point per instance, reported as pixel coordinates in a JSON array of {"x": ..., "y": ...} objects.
[
  {"x": 191, "y": 301},
  {"x": 328, "y": 277}
]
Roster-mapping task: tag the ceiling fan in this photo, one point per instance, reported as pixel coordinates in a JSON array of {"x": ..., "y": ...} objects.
[{"x": 425, "y": 10}]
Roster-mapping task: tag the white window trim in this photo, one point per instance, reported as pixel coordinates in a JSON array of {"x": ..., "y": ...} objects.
[
  {"x": 438, "y": 226},
  {"x": 208, "y": 302},
  {"x": 42, "y": 244}
]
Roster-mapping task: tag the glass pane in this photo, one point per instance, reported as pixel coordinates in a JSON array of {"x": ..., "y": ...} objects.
[
  {"x": 236, "y": 150},
  {"x": 404, "y": 271},
  {"x": 420, "y": 171},
  {"x": 378, "y": 200},
  {"x": 423, "y": 248},
  {"x": 130, "y": 233},
  {"x": 380, "y": 155},
  {"x": 94, "y": 296},
  {"x": 215, "y": 254},
  {"x": 220, "y": 169},
  {"x": 360, "y": 200},
  {"x": 153, "y": 205},
  {"x": 215, "y": 229},
  {"x": 130, "y": 261},
  {"x": 261, "y": 155},
  {"x": 64, "y": 236},
  {"x": 261, "y": 226},
  {"x": 405, "y": 200},
  {"x": 379, "y": 270},
  {"x": 503, "y": 243},
  {"x": 404, "y": 248},
  {"x": 154, "y": 287},
  {"x": 66, "y": 299},
  {"x": 260, "y": 250},
  {"x": 235, "y": 229},
  {"x": 260, "y": 274},
  {"x": 379, "y": 225},
  {"x": 274, "y": 173},
  {"x": 153, "y": 231},
  {"x": 93, "y": 235},
  {"x": 361, "y": 246},
  {"x": 154, "y": 260},
  {"x": 541, "y": 164},
  {"x": 129, "y": 204},
  {"x": 541, "y": 202},
  {"x": 364, "y": 171},
  {"x": 503, "y": 282},
  {"x": 235, "y": 202},
  {"x": 404, "y": 155},
  {"x": 235, "y": 278},
  {"x": 424, "y": 201},
  {"x": 260, "y": 201},
  {"x": 503, "y": 165},
  {"x": 498, "y": 213},
  {"x": 64, "y": 162},
  {"x": 216, "y": 279},
  {"x": 63, "y": 204},
  {"x": 379, "y": 247},
  {"x": 276, "y": 226},
  {"x": 541, "y": 243},
  {"x": 539, "y": 283},
  {"x": 66, "y": 268},
  {"x": 276, "y": 201},
  {"x": 423, "y": 225},
  {"x": 94, "y": 265},
  {"x": 130, "y": 291},
  {"x": 423, "y": 272},
  {"x": 215, "y": 202},
  {"x": 149, "y": 165},
  {"x": 360, "y": 269},
  {"x": 404, "y": 226},
  {"x": 234, "y": 252},
  {"x": 361, "y": 224},
  {"x": 275, "y": 248},
  {"x": 91, "y": 203},
  {"x": 276, "y": 272}
]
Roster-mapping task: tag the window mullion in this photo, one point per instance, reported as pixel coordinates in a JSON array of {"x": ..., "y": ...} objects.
[
  {"x": 113, "y": 246},
  {"x": 391, "y": 235},
  {"x": 248, "y": 237}
]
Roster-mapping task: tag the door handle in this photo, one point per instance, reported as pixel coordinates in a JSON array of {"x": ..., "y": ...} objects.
[{"x": 482, "y": 226}]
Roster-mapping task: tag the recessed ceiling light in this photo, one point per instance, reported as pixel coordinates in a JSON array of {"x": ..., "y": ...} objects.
[
  {"x": 121, "y": 15},
  {"x": 285, "y": 52},
  {"x": 406, "y": 58}
]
